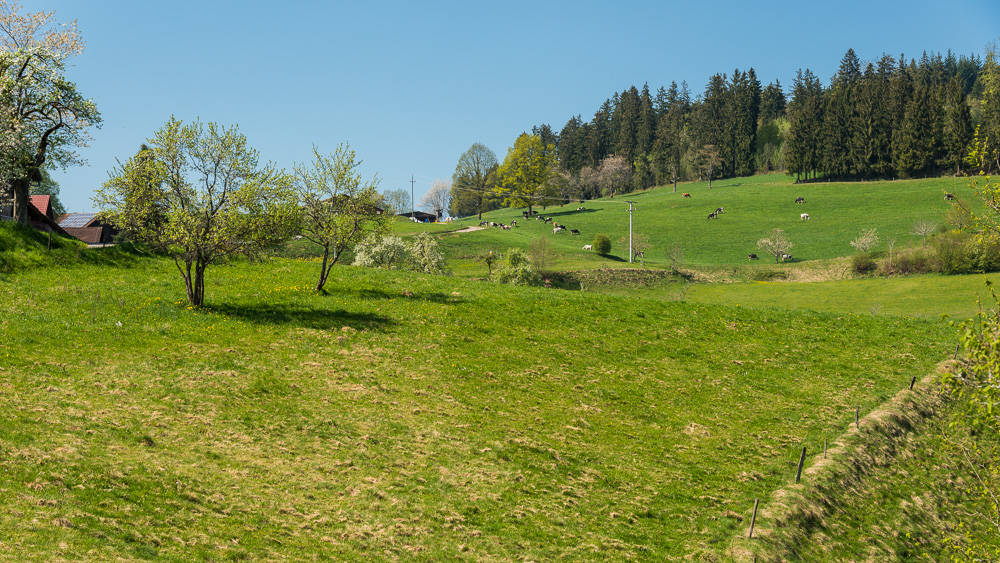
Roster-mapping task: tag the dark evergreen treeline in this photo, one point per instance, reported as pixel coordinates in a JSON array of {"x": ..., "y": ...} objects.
[{"x": 883, "y": 119}]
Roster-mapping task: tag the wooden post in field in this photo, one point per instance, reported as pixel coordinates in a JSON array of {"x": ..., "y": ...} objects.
[
  {"x": 913, "y": 382},
  {"x": 857, "y": 414},
  {"x": 753, "y": 519},
  {"x": 957, "y": 347},
  {"x": 826, "y": 442},
  {"x": 802, "y": 461}
]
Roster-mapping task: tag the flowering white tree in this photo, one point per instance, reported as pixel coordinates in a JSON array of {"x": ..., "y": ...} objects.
[
  {"x": 437, "y": 197},
  {"x": 42, "y": 116},
  {"x": 777, "y": 244},
  {"x": 866, "y": 241}
]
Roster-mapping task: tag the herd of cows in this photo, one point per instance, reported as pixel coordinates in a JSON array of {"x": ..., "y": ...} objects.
[{"x": 556, "y": 227}]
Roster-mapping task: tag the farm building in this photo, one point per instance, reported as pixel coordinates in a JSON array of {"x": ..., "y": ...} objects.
[
  {"x": 420, "y": 216},
  {"x": 88, "y": 227}
]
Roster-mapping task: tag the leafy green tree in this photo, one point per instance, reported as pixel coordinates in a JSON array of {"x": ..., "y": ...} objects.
[
  {"x": 338, "y": 207},
  {"x": 601, "y": 244},
  {"x": 474, "y": 181},
  {"x": 200, "y": 195},
  {"x": 524, "y": 172},
  {"x": 43, "y": 117}
]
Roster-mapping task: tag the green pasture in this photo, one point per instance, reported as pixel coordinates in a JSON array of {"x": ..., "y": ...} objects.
[
  {"x": 409, "y": 417},
  {"x": 753, "y": 206}
]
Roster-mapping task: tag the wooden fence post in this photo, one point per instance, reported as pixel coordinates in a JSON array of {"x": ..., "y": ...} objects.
[
  {"x": 753, "y": 519},
  {"x": 913, "y": 382},
  {"x": 802, "y": 460}
]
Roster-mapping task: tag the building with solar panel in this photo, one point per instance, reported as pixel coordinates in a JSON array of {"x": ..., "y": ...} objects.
[{"x": 88, "y": 227}]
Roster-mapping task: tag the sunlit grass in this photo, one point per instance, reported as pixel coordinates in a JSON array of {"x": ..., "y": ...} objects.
[{"x": 407, "y": 416}]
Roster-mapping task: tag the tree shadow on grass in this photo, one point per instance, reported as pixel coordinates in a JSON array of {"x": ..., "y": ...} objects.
[
  {"x": 567, "y": 212},
  {"x": 303, "y": 317},
  {"x": 376, "y": 294}
]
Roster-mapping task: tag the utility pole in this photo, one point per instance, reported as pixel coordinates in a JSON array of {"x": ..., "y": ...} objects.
[
  {"x": 411, "y": 196},
  {"x": 631, "y": 208}
]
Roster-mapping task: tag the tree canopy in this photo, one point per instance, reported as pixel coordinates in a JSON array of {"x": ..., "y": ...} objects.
[
  {"x": 199, "y": 194},
  {"x": 43, "y": 117},
  {"x": 524, "y": 172},
  {"x": 338, "y": 208}
]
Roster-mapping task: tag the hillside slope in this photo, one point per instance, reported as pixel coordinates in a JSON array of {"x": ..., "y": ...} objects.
[
  {"x": 409, "y": 416},
  {"x": 753, "y": 207}
]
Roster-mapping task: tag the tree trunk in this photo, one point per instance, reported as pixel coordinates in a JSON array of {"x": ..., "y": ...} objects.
[
  {"x": 194, "y": 283},
  {"x": 22, "y": 191},
  {"x": 324, "y": 270}
]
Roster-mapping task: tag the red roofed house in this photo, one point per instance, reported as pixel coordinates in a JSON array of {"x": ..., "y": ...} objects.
[{"x": 41, "y": 217}]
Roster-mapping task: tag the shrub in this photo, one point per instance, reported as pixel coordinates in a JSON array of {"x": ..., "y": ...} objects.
[
  {"x": 516, "y": 269},
  {"x": 376, "y": 251},
  {"x": 425, "y": 256},
  {"x": 602, "y": 244},
  {"x": 952, "y": 251},
  {"x": 862, "y": 263},
  {"x": 909, "y": 261}
]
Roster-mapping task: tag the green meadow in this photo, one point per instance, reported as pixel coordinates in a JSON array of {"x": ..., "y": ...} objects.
[
  {"x": 406, "y": 416},
  {"x": 753, "y": 208}
]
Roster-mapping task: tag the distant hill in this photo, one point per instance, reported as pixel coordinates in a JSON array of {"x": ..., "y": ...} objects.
[{"x": 753, "y": 206}]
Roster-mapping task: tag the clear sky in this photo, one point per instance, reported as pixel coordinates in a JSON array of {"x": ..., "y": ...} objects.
[{"x": 412, "y": 85}]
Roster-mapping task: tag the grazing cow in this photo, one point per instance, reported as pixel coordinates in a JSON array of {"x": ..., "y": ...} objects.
[
  {"x": 574, "y": 232},
  {"x": 786, "y": 257},
  {"x": 713, "y": 215},
  {"x": 800, "y": 200},
  {"x": 804, "y": 216},
  {"x": 751, "y": 256},
  {"x": 513, "y": 223},
  {"x": 483, "y": 223},
  {"x": 493, "y": 224},
  {"x": 685, "y": 195},
  {"x": 580, "y": 208},
  {"x": 949, "y": 196},
  {"x": 504, "y": 227},
  {"x": 720, "y": 211},
  {"x": 547, "y": 219},
  {"x": 638, "y": 254},
  {"x": 588, "y": 247}
]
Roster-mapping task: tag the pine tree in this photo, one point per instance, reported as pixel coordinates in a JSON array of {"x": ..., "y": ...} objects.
[
  {"x": 957, "y": 127},
  {"x": 805, "y": 116}
]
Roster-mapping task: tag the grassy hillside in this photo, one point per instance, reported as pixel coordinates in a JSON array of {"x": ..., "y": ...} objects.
[
  {"x": 754, "y": 206},
  {"x": 409, "y": 417}
]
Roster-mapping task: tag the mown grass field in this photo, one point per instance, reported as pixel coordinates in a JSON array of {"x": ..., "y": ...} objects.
[
  {"x": 754, "y": 206},
  {"x": 409, "y": 417}
]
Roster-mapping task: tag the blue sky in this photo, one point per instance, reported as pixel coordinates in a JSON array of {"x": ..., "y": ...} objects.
[{"x": 411, "y": 85}]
